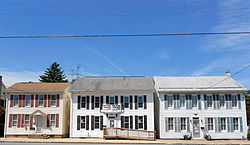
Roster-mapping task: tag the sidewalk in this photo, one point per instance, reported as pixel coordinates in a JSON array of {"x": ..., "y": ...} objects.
[{"x": 77, "y": 140}]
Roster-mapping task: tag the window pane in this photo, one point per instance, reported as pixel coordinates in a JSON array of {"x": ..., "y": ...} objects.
[
  {"x": 27, "y": 100},
  {"x": 140, "y": 101},
  {"x": 16, "y": 100},
  {"x": 53, "y": 100},
  {"x": 40, "y": 100},
  {"x": 112, "y": 100}
]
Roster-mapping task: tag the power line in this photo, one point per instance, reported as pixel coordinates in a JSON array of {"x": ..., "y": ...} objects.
[
  {"x": 130, "y": 35},
  {"x": 229, "y": 77}
]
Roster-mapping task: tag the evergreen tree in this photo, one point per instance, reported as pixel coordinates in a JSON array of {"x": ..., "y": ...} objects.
[{"x": 53, "y": 74}]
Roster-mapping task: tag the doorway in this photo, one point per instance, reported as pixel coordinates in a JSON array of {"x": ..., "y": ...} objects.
[
  {"x": 39, "y": 123},
  {"x": 196, "y": 127}
]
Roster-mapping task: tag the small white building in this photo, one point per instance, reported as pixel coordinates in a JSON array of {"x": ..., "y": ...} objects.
[
  {"x": 211, "y": 105},
  {"x": 112, "y": 102},
  {"x": 37, "y": 109}
]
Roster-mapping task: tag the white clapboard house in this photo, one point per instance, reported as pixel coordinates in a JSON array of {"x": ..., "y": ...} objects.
[
  {"x": 36, "y": 108},
  {"x": 196, "y": 106},
  {"x": 112, "y": 102}
]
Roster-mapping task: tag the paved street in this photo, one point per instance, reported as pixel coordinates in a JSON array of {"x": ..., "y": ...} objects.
[{"x": 14, "y": 143}]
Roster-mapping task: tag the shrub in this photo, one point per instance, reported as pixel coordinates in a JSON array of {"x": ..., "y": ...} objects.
[{"x": 248, "y": 135}]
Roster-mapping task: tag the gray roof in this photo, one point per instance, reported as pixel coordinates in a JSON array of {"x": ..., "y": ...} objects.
[
  {"x": 200, "y": 83},
  {"x": 113, "y": 84}
]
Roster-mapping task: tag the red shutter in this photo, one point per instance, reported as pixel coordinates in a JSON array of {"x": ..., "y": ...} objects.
[
  {"x": 19, "y": 121},
  {"x": 32, "y": 100},
  {"x": 24, "y": 100},
  {"x": 10, "y": 121},
  {"x": 45, "y": 101},
  {"x": 49, "y": 99},
  {"x": 22, "y": 120},
  {"x": 48, "y": 120},
  {"x": 57, "y": 120},
  {"x": 31, "y": 121},
  {"x": 36, "y": 101},
  {"x": 57, "y": 100},
  {"x": 11, "y": 101},
  {"x": 20, "y": 100}
]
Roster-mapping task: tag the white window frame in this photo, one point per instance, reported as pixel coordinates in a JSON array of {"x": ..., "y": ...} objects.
[
  {"x": 97, "y": 102},
  {"x": 210, "y": 125},
  {"x": 26, "y": 119},
  {"x": 112, "y": 101},
  {"x": 236, "y": 123},
  {"x": 52, "y": 120},
  {"x": 96, "y": 122},
  {"x": 209, "y": 101},
  {"x": 223, "y": 124},
  {"x": 234, "y": 101},
  {"x": 170, "y": 101},
  {"x": 83, "y": 122},
  {"x": 27, "y": 100},
  {"x": 15, "y": 100},
  {"x": 126, "y": 101},
  {"x": 40, "y": 101},
  {"x": 14, "y": 121},
  {"x": 183, "y": 123},
  {"x": 222, "y": 100},
  {"x": 194, "y": 101},
  {"x": 182, "y": 101},
  {"x": 140, "y": 101},
  {"x": 126, "y": 121},
  {"x": 83, "y": 102},
  {"x": 170, "y": 123},
  {"x": 140, "y": 122},
  {"x": 53, "y": 101}
]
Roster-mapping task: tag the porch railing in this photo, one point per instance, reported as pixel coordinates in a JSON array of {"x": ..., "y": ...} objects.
[{"x": 126, "y": 133}]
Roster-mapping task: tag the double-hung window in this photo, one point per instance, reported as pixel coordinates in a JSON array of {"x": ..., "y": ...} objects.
[
  {"x": 53, "y": 100},
  {"x": 111, "y": 100},
  {"x": 223, "y": 123},
  {"x": 140, "y": 101},
  {"x": 194, "y": 101},
  {"x": 234, "y": 100},
  {"x": 15, "y": 103},
  {"x": 170, "y": 101},
  {"x": 97, "y": 122},
  {"x": 27, "y": 100},
  {"x": 40, "y": 100},
  {"x": 14, "y": 120},
  {"x": 140, "y": 122},
  {"x": 126, "y": 122},
  {"x": 52, "y": 120},
  {"x": 236, "y": 123},
  {"x": 170, "y": 124},
  {"x": 209, "y": 101},
  {"x": 83, "y": 102},
  {"x": 26, "y": 119},
  {"x": 210, "y": 124},
  {"x": 83, "y": 122},
  {"x": 182, "y": 101},
  {"x": 222, "y": 101},
  {"x": 126, "y": 102},
  {"x": 97, "y": 102},
  {"x": 183, "y": 123}
]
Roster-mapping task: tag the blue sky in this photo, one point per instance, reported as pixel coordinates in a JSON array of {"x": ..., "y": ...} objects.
[{"x": 26, "y": 59}]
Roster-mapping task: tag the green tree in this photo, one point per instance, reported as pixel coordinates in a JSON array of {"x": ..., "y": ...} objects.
[{"x": 53, "y": 74}]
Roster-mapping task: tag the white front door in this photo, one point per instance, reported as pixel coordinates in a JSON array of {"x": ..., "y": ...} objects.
[
  {"x": 39, "y": 123},
  {"x": 196, "y": 127},
  {"x": 112, "y": 122}
]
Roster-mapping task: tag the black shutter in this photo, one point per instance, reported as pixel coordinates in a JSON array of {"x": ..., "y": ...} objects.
[
  {"x": 92, "y": 122},
  {"x": 136, "y": 122},
  {"x": 101, "y": 122},
  {"x": 116, "y": 99},
  {"x": 131, "y": 122},
  {"x": 92, "y": 102},
  {"x": 145, "y": 122},
  {"x": 78, "y": 102},
  {"x": 107, "y": 99},
  {"x": 136, "y": 104},
  {"x": 122, "y": 100},
  {"x": 87, "y": 102},
  {"x": 131, "y": 102},
  {"x": 78, "y": 122},
  {"x": 145, "y": 101},
  {"x": 101, "y": 101},
  {"x": 87, "y": 122},
  {"x": 122, "y": 121}
]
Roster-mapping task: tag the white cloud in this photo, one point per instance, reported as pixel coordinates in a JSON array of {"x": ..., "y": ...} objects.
[{"x": 11, "y": 77}]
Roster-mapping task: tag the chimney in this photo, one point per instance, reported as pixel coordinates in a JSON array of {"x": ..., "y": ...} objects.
[{"x": 228, "y": 74}]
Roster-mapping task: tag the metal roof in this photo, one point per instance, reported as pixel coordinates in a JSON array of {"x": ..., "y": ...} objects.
[
  {"x": 113, "y": 84},
  {"x": 199, "y": 83}
]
